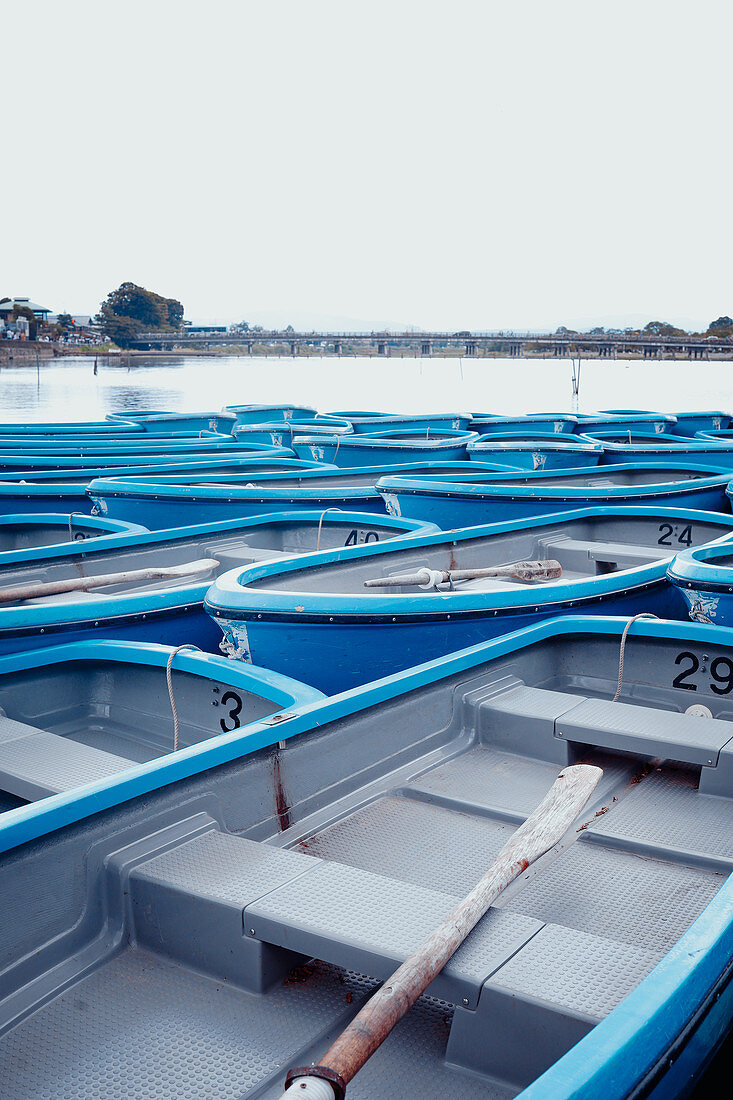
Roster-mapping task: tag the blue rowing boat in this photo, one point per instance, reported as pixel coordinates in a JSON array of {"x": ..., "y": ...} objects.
[
  {"x": 257, "y": 414},
  {"x": 44, "y": 490},
  {"x": 92, "y": 710},
  {"x": 156, "y": 422},
  {"x": 166, "y": 501},
  {"x": 341, "y": 618},
  {"x": 661, "y": 447},
  {"x": 281, "y": 432},
  {"x": 704, "y": 578},
  {"x": 536, "y": 450},
  {"x": 150, "y": 586},
  {"x": 218, "y": 916},
  {"x": 467, "y": 499},
  {"x": 690, "y": 423},
  {"x": 625, "y": 421},
  {"x": 552, "y": 423},
  {"x": 385, "y": 448},
  {"x": 42, "y": 531},
  {"x": 367, "y": 423}
]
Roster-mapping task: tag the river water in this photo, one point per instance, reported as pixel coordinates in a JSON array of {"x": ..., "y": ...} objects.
[{"x": 68, "y": 389}]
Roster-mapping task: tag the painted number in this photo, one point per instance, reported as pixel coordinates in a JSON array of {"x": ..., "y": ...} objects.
[
  {"x": 693, "y": 666},
  {"x": 356, "y": 537},
  {"x": 667, "y": 532},
  {"x": 233, "y": 716},
  {"x": 721, "y": 673}
]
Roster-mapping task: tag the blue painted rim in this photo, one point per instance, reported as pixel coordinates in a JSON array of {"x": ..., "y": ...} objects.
[{"x": 232, "y": 593}]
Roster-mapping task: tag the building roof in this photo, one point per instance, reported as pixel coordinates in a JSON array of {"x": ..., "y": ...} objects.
[{"x": 7, "y": 305}]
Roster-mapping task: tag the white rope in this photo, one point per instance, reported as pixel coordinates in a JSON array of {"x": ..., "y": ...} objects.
[
  {"x": 71, "y": 516},
  {"x": 627, "y": 628},
  {"x": 169, "y": 681},
  {"x": 320, "y": 524}
]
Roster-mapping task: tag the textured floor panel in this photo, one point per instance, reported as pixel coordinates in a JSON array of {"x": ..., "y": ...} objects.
[
  {"x": 410, "y": 1065},
  {"x": 494, "y": 779},
  {"x": 413, "y": 841},
  {"x": 225, "y": 867},
  {"x": 620, "y": 896},
  {"x": 574, "y": 970},
  {"x": 141, "y": 1028},
  {"x": 666, "y": 809}
]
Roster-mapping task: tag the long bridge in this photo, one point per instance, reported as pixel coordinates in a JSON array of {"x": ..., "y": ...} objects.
[{"x": 609, "y": 345}]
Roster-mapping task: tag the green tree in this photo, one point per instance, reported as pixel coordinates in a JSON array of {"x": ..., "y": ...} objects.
[
  {"x": 131, "y": 309},
  {"x": 662, "y": 328},
  {"x": 30, "y": 317},
  {"x": 721, "y": 326},
  {"x": 65, "y": 321}
]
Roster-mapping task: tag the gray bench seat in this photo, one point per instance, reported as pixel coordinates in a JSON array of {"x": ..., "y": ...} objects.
[
  {"x": 247, "y": 912},
  {"x": 528, "y": 719},
  {"x": 574, "y": 553},
  {"x": 35, "y": 763},
  {"x": 236, "y": 903}
]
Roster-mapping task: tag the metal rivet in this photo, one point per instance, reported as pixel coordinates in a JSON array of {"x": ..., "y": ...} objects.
[{"x": 251, "y": 931}]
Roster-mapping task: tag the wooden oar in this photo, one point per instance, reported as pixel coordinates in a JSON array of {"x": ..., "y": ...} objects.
[
  {"x": 372, "y": 1024},
  {"x": 531, "y": 572},
  {"x": 81, "y": 584}
]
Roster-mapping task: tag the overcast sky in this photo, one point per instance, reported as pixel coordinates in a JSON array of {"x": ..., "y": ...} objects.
[{"x": 457, "y": 165}]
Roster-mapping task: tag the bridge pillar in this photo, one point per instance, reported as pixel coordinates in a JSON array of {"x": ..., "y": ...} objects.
[
  {"x": 427, "y": 347},
  {"x": 470, "y": 347},
  {"x": 382, "y": 347},
  {"x": 249, "y": 347},
  {"x": 293, "y": 347},
  {"x": 338, "y": 347}
]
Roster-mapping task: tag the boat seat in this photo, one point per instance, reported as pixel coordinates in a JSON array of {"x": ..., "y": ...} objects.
[
  {"x": 226, "y": 900},
  {"x": 573, "y": 553},
  {"x": 248, "y": 911},
  {"x": 532, "y": 721},
  {"x": 35, "y": 763},
  {"x": 235, "y": 552},
  {"x": 371, "y": 924},
  {"x": 626, "y": 727}
]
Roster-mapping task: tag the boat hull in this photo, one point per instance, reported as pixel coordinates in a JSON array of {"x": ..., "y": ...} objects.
[
  {"x": 335, "y": 654},
  {"x": 449, "y": 511}
]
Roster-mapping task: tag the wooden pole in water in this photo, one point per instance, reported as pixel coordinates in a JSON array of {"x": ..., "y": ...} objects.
[{"x": 370, "y": 1027}]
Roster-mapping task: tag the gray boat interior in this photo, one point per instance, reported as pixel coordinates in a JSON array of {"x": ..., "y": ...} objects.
[
  {"x": 315, "y": 479},
  {"x": 66, "y": 724},
  {"x": 229, "y": 549},
  {"x": 595, "y": 477},
  {"x": 585, "y": 548},
  {"x": 27, "y": 535},
  {"x": 40, "y": 473},
  {"x": 202, "y": 939}
]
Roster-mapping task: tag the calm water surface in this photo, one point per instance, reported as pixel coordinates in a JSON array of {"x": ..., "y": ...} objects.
[{"x": 67, "y": 389}]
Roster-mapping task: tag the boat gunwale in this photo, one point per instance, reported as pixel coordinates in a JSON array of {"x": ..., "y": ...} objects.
[{"x": 233, "y": 584}]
